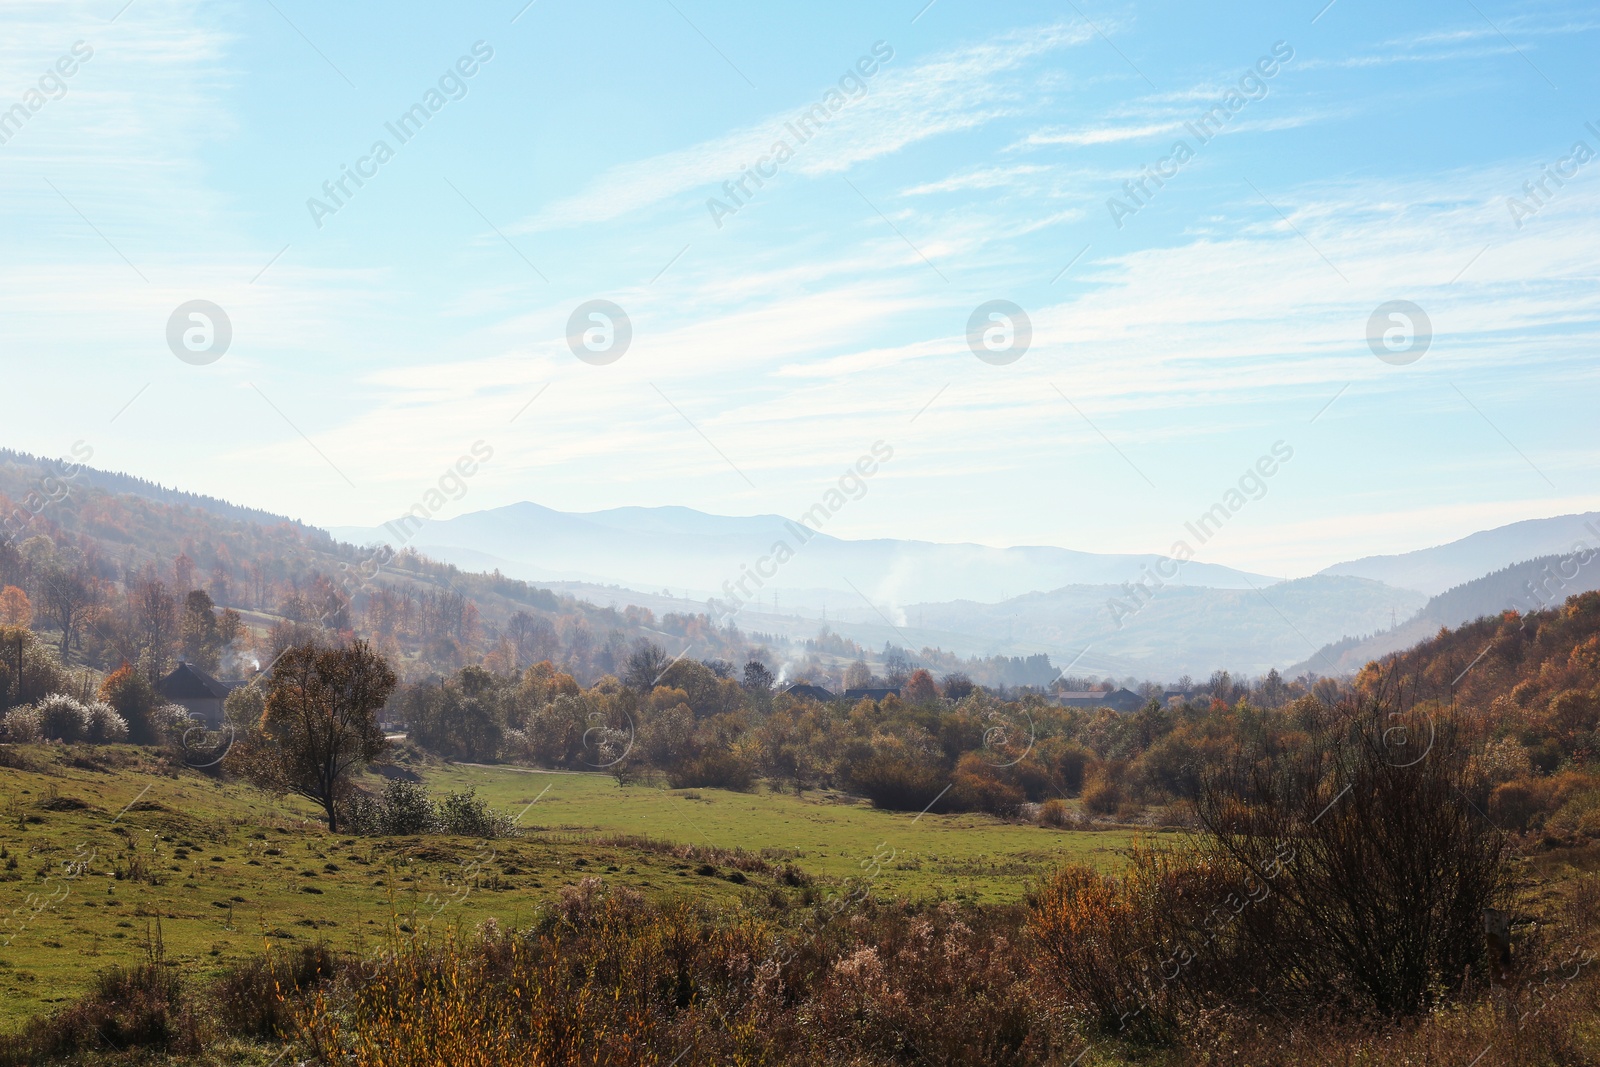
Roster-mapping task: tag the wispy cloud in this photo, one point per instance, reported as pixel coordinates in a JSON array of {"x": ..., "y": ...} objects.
[{"x": 955, "y": 91}]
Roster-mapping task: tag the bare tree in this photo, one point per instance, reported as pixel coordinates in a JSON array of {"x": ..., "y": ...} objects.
[
  {"x": 319, "y": 725},
  {"x": 68, "y": 594},
  {"x": 155, "y": 625},
  {"x": 645, "y": 666},
  {"x": 1379, "y": 870},
  {"x": 524, "y": 631}
]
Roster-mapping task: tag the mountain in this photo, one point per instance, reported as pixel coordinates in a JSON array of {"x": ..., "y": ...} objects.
[
  {"x": 1522, "y": 587},
  {"x": 68, "y": 531},
  {"x": 703, "y": 555},
  {"x": 1434, "y": 570},
  {"x": 1534, "y": 585},
  {"x": 1182, "y": 629}
]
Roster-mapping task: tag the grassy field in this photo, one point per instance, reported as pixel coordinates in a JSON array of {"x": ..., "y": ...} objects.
[
  {"x": 107, "y": 855},
  {"x": 976, "y": 856}
]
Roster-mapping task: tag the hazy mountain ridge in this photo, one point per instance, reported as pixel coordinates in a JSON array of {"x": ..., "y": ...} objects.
[
  {"x": 23, "y": 471},
  {"x": 1438, "y": 569},
  {"x": 679, "y": 547},
  {"x": 1533, "y": 585},
  {"x": 1182, "y": 630}
]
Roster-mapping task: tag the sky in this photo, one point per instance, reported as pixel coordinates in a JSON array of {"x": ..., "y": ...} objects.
[{"x": 1261, "y": 288}]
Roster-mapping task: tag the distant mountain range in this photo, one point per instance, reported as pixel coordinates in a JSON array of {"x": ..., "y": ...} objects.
[
  {"x": 1533, "y": 585},
  {"x": 1434, "y": 570},
  {"x": 1078, "y": 607},
  {"x": 708, "y": 555},
  {"x": 1088, "y": 612}
]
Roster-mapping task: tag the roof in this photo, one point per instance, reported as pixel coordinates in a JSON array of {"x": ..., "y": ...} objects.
[
  {"x": 189, "y": 682},
  {"x": 872, "y": 693}
]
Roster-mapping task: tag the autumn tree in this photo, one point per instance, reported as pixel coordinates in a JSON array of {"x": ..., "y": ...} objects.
[
  {"x": 957, "y": 686},
  {"x": 319, "y": 724},
  {"x": 199, "y": 637},
  {"x": 920, "y": 689},
  {"x": 230, "y": 626},
  {"x": 131, "y": 694},
  {"x": 155, "y": 625},
  {"x": 15, "y": 608},
  {"x": 858, "y": 675},
  {"x": 530, "y": 635},
  {"x": 66, "y": 595},
  {"x": 183, "y": 571},
  {"x": 645, "y": 666},
  {"x": 27, "y": 669}
]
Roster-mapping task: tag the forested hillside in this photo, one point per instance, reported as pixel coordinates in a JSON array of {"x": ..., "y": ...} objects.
[{"x": 117, "y": 570}]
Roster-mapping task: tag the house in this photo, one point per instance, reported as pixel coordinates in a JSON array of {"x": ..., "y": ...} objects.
[
  {"x": 1123, "y": 700},
  {"x": 805, "y": 691},
  {"x": 872, "y": 693},
  {"x": 198, "y": 692}
]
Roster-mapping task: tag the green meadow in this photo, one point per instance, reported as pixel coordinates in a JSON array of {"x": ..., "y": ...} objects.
[
  {"x": 108, "y": 856},
  {"x": 826, "y": 834}
]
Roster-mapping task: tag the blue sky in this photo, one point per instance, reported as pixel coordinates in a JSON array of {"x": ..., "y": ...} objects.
[{"x": 1172, "y": 345}]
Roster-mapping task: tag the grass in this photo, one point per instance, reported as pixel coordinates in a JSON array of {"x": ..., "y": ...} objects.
[
  {"x": 974, "y": 856},
  {"x": 214, "y": 871}
]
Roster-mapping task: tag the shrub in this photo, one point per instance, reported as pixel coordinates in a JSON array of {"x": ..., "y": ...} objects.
[
  {"x": 22, "y": 725},
  {"x": 1515, "y": 805},
  {"x": 405, "y": 809},
  {"x": 138, "y": 1007},
  {"x": 1054, "y": 812},
  {"x": 106, "y": 727},
  {"x": 898, "y": 784},
  {"x": 130, "y": 695},
  {"x": 169, "y": 722},
  {"x": 1092, "y": 933},
  {"x": 976, "y": 786},
  {"x": 1383, "y": 873},
  {"x": 63, "y": 718},
  {"x": 466, "y": 814},
  {"x": 252, "y": 999},
  {"x": 1102, "y": 795},
  {"x": 1580, "y": 814},
  {"x": 713, "y": 770}
]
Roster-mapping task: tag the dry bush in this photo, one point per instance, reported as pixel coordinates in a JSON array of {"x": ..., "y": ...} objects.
[
  {"x": 1379, "y": 871},
  {"x": 1102, "y": 795},
  {"x": 251, "y": 999},
  {"x": 1139, "y": 952},
  {"x": 1347, "y": 881},
  {"x": 136, "y": 1007},
  {"x": 1055, "y": 813},
  {"x": 606, "y": 979}
]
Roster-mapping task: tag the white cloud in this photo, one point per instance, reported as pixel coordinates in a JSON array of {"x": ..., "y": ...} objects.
[{"x": 955, "y": 91}]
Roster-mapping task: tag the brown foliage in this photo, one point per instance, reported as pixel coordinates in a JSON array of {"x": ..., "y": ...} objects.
[{"x": 320, "y": 723}]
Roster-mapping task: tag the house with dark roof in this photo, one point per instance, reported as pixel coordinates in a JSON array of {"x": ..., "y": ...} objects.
[
  {"x": 872, "y": 692},
  {"x": 806, "y": 691},
  {"x": 1123, "y": 700},
  {"x": 198, "y": 692}
]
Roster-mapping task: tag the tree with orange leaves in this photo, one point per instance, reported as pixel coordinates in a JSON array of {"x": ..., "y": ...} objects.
[{"x": 15, "y": 608}]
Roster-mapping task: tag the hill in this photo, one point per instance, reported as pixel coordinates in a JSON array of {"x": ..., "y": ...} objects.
[
  {"x": 1532, "y": 664},
  {"x": 1434, "y": 570},
  {"x": 648, "y": 547},
  {"x": 84, "y": 544},
  {"x": 1521, "y": 587},
  {"x": 1181, "y": 629}
]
